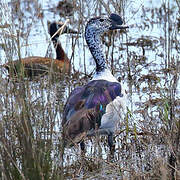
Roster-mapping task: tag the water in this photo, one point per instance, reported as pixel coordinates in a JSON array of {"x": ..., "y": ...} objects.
[{"x": 145, "y": 57}]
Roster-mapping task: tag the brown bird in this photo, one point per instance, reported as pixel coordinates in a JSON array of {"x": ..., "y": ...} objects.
[{"x": 35, "y": 65}]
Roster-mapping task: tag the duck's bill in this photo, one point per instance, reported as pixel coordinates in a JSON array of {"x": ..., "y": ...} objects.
[{"x": 117, "y": 26}]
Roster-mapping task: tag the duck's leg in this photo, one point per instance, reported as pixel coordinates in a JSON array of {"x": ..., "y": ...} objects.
[
  {"x": 111, "y": 143},
  {"x": 105, "y": 132},
  {"x": 82, "y": 145}
]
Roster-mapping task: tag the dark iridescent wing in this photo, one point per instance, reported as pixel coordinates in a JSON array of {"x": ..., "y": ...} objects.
[
  {"x": 97, "y": 92},
  {"x": 86, "y": 106}
]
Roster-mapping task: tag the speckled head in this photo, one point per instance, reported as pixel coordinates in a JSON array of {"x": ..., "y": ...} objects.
[
  {"x": 94, "y": 29},
  {"x": 101, "y": 24}
]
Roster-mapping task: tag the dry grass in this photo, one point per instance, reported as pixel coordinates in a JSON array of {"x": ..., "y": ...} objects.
[{"x": 147, "y": 142}]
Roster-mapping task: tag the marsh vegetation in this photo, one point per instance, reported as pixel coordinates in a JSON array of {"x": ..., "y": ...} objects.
[{"x": 146, "y": 59}]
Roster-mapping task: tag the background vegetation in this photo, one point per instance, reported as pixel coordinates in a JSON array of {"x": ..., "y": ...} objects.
[{"x": 145, "y": 58}]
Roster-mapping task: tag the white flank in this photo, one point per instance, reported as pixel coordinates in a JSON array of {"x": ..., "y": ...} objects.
[{"x": 115, "y": 112}]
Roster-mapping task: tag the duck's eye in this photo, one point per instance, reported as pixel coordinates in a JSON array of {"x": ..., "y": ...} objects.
[{"x": 101, "y": 20}]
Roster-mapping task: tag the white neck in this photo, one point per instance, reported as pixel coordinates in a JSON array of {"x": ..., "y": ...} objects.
[{"x": 105, "y": 75}]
